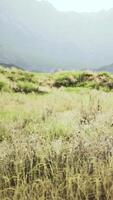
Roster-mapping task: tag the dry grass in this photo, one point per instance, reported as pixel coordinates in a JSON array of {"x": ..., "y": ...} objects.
[{"x": 57, "y": 146}]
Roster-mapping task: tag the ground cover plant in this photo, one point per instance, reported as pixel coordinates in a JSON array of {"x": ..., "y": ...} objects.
[
  {"x": 17, "y": 80},
  {"x": 56, "y": 146}
]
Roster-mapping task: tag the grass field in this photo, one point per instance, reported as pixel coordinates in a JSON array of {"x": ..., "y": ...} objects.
[{"x": 56, "y": 146}]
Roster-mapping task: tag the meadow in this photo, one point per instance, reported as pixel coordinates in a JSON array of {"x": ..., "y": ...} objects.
[{"x": 56, "y": 139}]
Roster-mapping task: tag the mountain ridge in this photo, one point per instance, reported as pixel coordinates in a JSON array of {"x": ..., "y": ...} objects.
[
  {"x": 108, "y": 68},
  {"x": 36, "y": 36}
]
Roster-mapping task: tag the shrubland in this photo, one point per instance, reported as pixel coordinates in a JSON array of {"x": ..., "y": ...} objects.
[
  {"x": 17, "y": 80},
  {"x": 56, "y": 146}
]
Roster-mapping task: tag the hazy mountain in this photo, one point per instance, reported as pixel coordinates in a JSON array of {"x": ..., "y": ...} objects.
[
  {"x": 34, "y": 34},
  {"x": 108, "y": 68}
]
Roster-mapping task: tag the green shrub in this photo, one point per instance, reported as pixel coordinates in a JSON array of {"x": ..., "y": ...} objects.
[
  {"x": 26, "y": 87},
  {"x": 85, "y": 76},
  {"x": 4, "y": 84},
  {"x": 66, "y": 79}
]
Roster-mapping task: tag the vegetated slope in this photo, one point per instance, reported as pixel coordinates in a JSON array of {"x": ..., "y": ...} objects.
[
  {"x": 36, "y": 36},
  {"x": 17, "y": 80}
]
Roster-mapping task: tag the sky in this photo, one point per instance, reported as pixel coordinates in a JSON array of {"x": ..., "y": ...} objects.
[{"x": 82, "y": 5}]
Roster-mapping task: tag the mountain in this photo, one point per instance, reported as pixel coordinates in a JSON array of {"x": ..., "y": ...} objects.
[
  {"x": 36, "y": 36},
  {"x": 108, "y": 68}
]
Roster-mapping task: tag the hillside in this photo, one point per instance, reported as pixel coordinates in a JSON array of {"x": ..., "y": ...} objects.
[
  {"x": 108, "y": 68},
  {"x": 19, "y": 81},
  {"x": 36, "y": 36}
]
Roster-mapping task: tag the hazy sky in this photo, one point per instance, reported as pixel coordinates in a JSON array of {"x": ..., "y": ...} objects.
[{"x": 82, "y": 5}]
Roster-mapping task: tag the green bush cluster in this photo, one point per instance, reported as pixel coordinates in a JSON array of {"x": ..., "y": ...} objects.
[
  {"x": 84, "y": 79},
  {"x": 18, "y": 80},
  {"x": 26, "y": 87}
]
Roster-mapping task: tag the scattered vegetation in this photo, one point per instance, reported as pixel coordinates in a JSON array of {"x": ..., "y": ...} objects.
[
  {"x": 51, "y": 149},
  {"x": 57, "y": 146},
  {"x": 18, "y": 80}
]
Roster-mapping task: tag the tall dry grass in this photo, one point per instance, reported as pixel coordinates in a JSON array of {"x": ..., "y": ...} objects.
[{"x": 56, "y": 147}]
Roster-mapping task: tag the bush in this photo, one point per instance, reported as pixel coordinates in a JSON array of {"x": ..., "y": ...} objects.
[
  {"x": 4, "y": 84},
  {"x": 26, "y": 87},
  {"x": 86, "y": 76},
  {"x": 66, "y": 79}
]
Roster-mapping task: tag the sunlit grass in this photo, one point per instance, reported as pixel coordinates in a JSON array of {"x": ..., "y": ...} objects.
[{"x": 56, "y": 147}]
